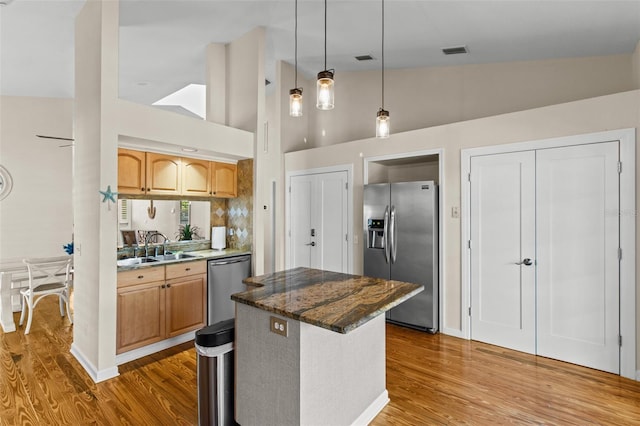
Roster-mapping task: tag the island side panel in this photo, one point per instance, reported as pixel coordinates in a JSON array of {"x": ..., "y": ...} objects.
[
  {"x": 267, "y": 370},
  {"x": 343, "y": 378}
]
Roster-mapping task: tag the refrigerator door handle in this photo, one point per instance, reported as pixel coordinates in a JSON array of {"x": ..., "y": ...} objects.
[
  {"x": 385, "y": 231},
  {"x": 393, "y": 239}
]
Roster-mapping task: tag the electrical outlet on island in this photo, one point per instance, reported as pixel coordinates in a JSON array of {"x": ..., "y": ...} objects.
[{"x": 278, "y": 326}]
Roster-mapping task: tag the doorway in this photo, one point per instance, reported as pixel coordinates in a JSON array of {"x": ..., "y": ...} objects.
[{"x": 544, "y": 243}]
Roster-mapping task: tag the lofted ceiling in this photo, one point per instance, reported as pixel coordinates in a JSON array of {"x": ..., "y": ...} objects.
[{"x": 162, "y": 42}]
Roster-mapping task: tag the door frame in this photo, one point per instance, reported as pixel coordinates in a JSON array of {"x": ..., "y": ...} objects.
[
  {"x": 627, "y": 140},
  {"x": 350, "y": 232},
  {"x": 440, "y": 152}
]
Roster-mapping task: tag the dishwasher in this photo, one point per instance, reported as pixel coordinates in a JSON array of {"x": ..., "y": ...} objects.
[{"x": 224, "y": 278}]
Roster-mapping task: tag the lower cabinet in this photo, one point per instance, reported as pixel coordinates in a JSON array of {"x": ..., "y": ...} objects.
[
  {"x": 183, "y": 313},
  {"x": 157, "y": 303}
]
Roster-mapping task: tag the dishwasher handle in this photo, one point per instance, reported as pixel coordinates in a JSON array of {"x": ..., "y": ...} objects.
[{"x": 228, "y": 262}]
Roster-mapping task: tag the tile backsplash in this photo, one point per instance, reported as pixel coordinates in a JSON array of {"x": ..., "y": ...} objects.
[{"x": 239, "y": 221}]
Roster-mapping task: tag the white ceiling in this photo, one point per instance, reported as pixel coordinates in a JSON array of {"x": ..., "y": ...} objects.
[{"x": 162, "y": 42}]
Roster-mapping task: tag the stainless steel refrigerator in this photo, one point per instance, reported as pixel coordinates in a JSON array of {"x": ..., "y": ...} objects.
[{"x": 401, "y": 243}]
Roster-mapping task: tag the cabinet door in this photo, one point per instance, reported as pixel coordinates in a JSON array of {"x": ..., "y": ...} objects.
[
  {"x": 163, "y": 174},
  {"x": 186, "y": 304},
  {"x": 196, "y": 179},
  {"x": 131, "y": 171},
  {"x": 224, "y": 180},
  {"x": 141, "y": 313}
]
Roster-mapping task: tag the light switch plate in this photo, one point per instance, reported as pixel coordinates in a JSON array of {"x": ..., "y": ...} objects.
[{"x": 278, "y": 326}]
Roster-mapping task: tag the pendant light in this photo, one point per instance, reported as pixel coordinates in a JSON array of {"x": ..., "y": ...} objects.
[
  {"x": 325, "y": 95},
  {"x": 295, "y": 94},
  {"x": 382, "y": 117}
]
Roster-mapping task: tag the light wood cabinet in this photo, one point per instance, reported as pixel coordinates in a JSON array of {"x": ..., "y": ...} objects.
[
  {"x": 153, "y": 173},
  {"x": 196, "y": 177},
  {"x": 131, "y": 171},
  {"x": 163, "y": 174},
  {"x": 186, "y": 284},
  {"x": 184, "y": 313},
  {"x": 141, "y": 312},
  {"x": 224, "y": 180},
  {"x": 160, "y": 302}
]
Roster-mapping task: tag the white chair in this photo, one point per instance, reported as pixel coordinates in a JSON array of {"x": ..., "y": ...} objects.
[{"x": 47, "y": 276}]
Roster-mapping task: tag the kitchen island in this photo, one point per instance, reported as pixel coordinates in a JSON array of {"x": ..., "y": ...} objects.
[{"x": 310, "y": 347}]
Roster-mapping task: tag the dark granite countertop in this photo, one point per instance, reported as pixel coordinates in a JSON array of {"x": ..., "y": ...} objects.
[{"x": 331, "y": 300}]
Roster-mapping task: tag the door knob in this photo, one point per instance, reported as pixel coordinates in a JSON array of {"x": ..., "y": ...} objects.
[
  {"x": 525, "y": 261},
  {"x": 312, "y": 244}
]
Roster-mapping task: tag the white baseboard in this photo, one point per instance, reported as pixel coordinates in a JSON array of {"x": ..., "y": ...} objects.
[
  {"x": 372, "y": 410},
  {"x": 125, "y": 357},
  {"x": 95, "y": 374}
]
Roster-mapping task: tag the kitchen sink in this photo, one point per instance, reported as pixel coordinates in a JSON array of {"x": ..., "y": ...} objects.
[
  {"x": 175, "y": 256},
  {"x": 136, "y": 261}
]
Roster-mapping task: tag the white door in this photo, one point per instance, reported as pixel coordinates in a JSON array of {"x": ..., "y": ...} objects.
[
  {"x": 577, "y": 255},
  {"x": 502, "y": 235},
  {"x": 318, "y": 219},
  {"x": 555, "y": 210},
  {"x": 301, "y": 189}
]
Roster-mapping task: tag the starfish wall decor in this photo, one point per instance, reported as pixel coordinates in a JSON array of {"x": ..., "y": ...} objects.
[{"x": 109, "y": 196}]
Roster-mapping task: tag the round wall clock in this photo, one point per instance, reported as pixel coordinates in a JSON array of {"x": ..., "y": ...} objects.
[{"x": 5, "y": 183}]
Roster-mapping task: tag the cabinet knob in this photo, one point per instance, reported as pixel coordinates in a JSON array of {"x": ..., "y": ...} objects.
[
  {"x": 141, "y": 189},
  {"x": 187, "y": 269},
  {"x": 168, "y": 285},
  {"x": 140, "y": 277},
  {"x": 162, "y": 286}
]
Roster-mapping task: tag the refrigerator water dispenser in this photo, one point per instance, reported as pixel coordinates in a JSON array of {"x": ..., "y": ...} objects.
[{"x": 375, "y": 234}]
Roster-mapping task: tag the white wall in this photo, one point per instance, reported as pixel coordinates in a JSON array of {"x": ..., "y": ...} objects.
[
  {"x": 591, "y": 115},
  {"x": 426, "y": 97},
  {"x": 95, "y": 168},
  {"x": 245, "y": 110},
  {"x": 36, "y": 218},
  {"x": 636, "y": 66}
]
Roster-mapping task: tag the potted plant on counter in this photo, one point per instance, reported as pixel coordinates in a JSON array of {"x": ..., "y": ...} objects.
[{"x": 187, "y": 232}]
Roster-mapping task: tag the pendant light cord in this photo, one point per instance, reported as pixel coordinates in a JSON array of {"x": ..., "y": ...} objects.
[
  {"x": 325, "y": 34},
  {"x": 382, "y": 54},
  {"x": 296, "y": 42}
]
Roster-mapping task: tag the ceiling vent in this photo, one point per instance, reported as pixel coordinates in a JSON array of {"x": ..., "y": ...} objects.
[
  {"x": 456, "y": 50},
  {"x": 364, "y": 58}
]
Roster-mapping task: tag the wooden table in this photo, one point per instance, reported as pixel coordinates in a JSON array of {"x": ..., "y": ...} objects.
[{"x": 310, "y": 347}]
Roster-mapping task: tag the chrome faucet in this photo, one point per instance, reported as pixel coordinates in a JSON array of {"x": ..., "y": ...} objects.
[{"x": 146, "y": 243}]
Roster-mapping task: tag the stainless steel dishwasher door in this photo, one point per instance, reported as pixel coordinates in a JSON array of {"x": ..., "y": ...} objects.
[{"x": 224, "y": 278}]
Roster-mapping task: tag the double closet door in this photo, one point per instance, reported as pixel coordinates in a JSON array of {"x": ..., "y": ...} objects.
[
  {"x": 545, "y": 268},
  {"x": 318, "y": 221}
]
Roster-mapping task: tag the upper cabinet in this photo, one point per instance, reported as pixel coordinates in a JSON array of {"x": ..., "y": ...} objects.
[
  {"x": 163, "y": 174},
  {"x": 131, "y": 172},
  {"x": 224, "y": 180},
  {"x": 152, "y": 173},
  {"x": 196, "y": 177}
]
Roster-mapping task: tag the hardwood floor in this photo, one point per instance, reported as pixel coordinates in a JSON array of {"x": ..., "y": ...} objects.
[{"x": 431, "y": 380}]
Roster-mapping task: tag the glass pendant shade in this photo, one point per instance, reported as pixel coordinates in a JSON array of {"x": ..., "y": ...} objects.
[
  {"x": 382, "y": 124},
  {"x": 295, "y": 102},
  {"x": 325, "y": 95}
]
